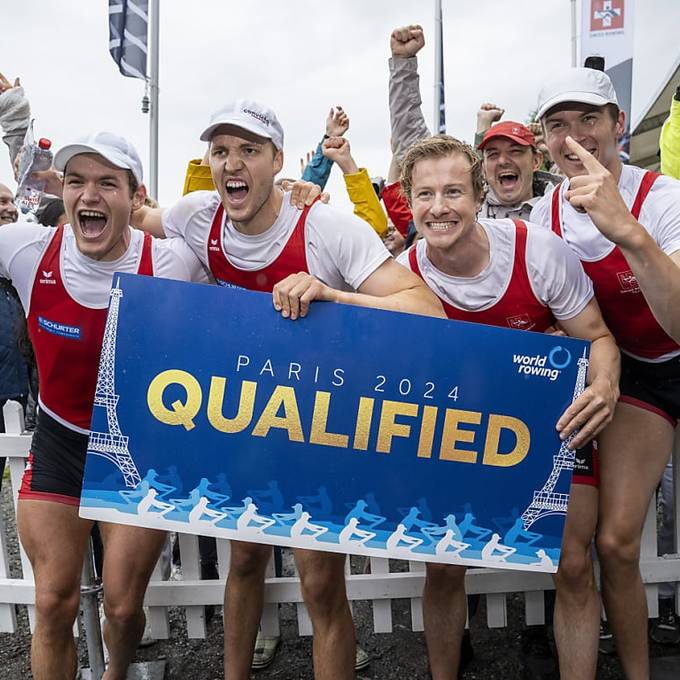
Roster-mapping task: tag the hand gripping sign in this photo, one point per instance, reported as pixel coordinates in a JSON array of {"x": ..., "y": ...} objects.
[{"x": 352, "y": 430}]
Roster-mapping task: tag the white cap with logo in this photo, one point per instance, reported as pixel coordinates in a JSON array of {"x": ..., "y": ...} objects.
[
  {"x": 582, "y": 85},
  {"x": 247, "y": 115},
  {"x": 116, "y": 149}
]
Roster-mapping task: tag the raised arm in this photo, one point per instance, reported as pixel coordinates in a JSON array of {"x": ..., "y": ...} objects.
[
  {"x": 406, "y": 116},
  {"x": 319, "y": 168},
  {"x": 358, "y": 184},
  {"x": 594, "y": 409},
  {"x": 15, "y": 115}
]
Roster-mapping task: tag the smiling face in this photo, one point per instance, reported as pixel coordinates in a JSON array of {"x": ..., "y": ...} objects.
[
  {"x": 243, "y": 168},
  {"x": 98, "y": 201},
  {"x": 593, "y": 127},
  {"x": 443, "y": 200},
  {"x": 509, "y": 169},
  {"x": 8, "y": 211}
]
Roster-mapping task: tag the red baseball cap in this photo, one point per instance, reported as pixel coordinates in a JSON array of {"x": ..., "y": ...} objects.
[{"x": 518, "y": 133}]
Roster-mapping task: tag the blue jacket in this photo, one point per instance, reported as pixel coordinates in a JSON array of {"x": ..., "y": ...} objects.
[
  {"x": 13, "y": 369},
  {"x": 319, "y": 168}
]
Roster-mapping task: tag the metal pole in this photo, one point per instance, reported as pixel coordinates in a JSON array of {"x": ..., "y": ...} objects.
[
  {"x": 89, "y": 603},
  {"x": 574, "y": 56},
  {"x": 153, "y": 85},
  {"x": 438, "y": 75}
]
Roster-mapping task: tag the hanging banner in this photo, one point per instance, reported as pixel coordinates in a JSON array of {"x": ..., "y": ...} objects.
[
  {"x": 352, "y": 430},
  {"x": 607, "y": 31}
]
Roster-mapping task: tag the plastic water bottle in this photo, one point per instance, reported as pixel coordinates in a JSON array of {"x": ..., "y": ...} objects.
[{"x": 34, "y": 158}]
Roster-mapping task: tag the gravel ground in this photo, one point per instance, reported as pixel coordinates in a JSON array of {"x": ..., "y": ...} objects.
[{"x": 398, "y": 655}]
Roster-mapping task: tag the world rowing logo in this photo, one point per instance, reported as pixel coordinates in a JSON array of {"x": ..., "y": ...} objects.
[{"x": 547, "y": 366}]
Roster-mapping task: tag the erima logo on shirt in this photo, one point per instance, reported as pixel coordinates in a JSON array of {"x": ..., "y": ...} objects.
[
  {"x": 47, "y": 278},
  {"x": 521, "y": 321},
  {"x": 213, "y": 244},
  {"x": 56, "y": 328},
  {"x": 628, "y": 282}
]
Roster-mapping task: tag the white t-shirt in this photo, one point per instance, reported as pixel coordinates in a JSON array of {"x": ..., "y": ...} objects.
[
  {"x": 342, "y": 250},
  {"x": 87, "y": 281},
  {"x": 660, "y": 215},
  {"x": 555, "y": 273}
]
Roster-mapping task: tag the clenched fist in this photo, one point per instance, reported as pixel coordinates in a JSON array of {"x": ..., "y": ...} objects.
[{"x": 407, "y": 41}]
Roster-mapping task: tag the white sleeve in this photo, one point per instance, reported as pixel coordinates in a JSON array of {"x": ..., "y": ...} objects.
[
  {"x": 190, "y": 219},
  {"x": 660, "y": 214},
  {"x": 21, "y": 246},
  {"x": 556, "y": 274},
  {"x": 173, "y": 259},
  {"x": 342, "y": 247},
  {"x": 540, "y": 213},
  {"x": 402, "y": 259}
]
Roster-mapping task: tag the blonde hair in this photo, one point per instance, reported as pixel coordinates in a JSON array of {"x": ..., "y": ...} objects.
[{"x": 440, "y": 146}]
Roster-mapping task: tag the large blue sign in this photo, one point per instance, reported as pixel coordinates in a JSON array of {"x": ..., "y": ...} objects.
[{"x": 352, "y": 430}]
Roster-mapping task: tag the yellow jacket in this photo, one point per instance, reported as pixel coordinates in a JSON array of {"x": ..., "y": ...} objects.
[
  {"x": 197, "y": 178},
  {"x": 669, "y": 143},
  {"x": 366, "y": 203}
]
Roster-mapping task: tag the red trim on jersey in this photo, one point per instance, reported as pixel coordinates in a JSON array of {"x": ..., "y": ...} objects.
[
  {"x": 27, "y": 494},
  {"x": 518, "y": 307},
  {"x": 67, "y": 337},
  {"x": 632, "y": 401},
  {"x": 623, "y": 304},
  {"x": 291, "y": 260}
]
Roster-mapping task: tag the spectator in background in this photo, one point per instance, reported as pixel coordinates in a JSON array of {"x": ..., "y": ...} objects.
[
  {"x": 15, "y": 114},
  {"x": 669, "y": 143},
  {"x": 51, "y": 212},
  {"x": 359, "y": 186},
  {"x": 13, "y": 368},
  {"x": 319, "y": 168}
]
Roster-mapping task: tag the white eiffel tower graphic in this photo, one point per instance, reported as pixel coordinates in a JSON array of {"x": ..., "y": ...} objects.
[
  {"x": 546, "y": 501},
  {"x": 113, "y": 444}
]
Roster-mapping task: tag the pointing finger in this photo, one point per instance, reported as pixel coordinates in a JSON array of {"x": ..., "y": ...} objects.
[{"x": 590, "y": 163}]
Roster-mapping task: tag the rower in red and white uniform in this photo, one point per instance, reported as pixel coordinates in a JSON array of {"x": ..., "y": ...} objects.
[
  {"x": 624, "y": 224},
  {"x": 63, "y": 276},
  {"x": 514, "y": 274},
  {"x": 249, "y": 234}
]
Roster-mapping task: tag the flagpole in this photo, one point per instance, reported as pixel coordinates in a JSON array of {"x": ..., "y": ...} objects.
[
  {"x": 573, "y": 33},
  {"x": 153, "y": 86},
  {"x": 438, "y": 66}
]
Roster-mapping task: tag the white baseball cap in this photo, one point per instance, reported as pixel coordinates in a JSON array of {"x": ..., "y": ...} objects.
[
  {"x": 582, "y": 85},
  {"x": 114, "y": 148},
  {"x": 247, "y": 115}
]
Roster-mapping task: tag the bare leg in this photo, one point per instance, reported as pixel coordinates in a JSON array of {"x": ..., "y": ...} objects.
[
  {"x": 55, "y": 539},
  {"x": 577, "y": 604},
  {"x": 130, "y": 554},
  {"x": 633, "y": 452},
  {"x": 323, "y": 589},
  {"x": 444, "y": 614},
  {"x": 243, "y": 598}
]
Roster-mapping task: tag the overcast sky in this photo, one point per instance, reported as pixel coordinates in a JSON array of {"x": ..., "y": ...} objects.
[{"x": 299, "y": 57}]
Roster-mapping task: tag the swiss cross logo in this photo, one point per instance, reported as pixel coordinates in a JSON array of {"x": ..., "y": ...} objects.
[
  {"x": 606, "y": 15},
  {"x": 628, "y": 282},
  {"x": 521, "y": 321}
]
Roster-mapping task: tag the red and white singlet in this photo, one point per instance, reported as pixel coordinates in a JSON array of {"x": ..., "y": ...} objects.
[
  {"x": 623, "y": 305},
  {"x": 67, "y": 338},
  {"x": 517, "y": 308}
]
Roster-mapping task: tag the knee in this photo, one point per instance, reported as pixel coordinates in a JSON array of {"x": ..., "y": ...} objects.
[
  {"x": 618, "y": 550},
  {"x": 122, "y": 613},
  {"x": 444, "y": 578},
  {"x": 248, "y": 560},
  {"x": 56, "y": 608},
  {"x": 323, "y": 591},
  {"x": 575, "y": 570}
]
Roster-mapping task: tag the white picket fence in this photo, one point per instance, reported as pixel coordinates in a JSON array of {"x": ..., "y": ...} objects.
[{"x": 380, "y": 586}]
